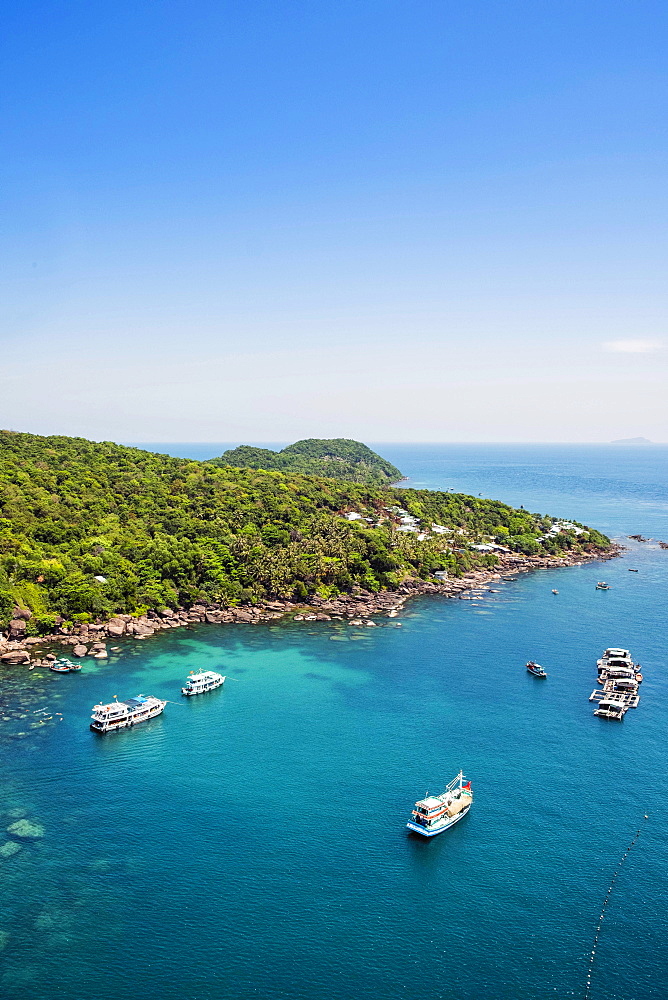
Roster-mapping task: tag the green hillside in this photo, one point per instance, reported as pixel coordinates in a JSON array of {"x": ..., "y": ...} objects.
[
  {"x": 90, "y": 529},
  {"x": 335, "y": 458}
]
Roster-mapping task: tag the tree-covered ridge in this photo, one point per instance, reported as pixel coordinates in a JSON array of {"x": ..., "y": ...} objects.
[
  {"x": 334, "y": 458},
  {"x": 90, "y": 529}
]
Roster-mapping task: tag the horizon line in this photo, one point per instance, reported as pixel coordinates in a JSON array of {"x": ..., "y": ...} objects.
[{"x": 621, "y": 441}]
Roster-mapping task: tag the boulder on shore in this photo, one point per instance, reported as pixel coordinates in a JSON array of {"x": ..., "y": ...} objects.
[
  {"x": 116, "y": 627},
  {"x": 15, "y": 656},
  {"x": 79, "y": 650}
]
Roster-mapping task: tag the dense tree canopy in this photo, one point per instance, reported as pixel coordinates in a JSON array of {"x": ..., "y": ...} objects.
[
  {"x": 335, "y": 458},
  {"x": 90, "y": 529}
]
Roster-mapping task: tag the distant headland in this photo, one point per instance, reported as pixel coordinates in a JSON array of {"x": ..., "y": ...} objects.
[
  {"x": 333, "y": 458},
  {"x": 633, "y": 441}
]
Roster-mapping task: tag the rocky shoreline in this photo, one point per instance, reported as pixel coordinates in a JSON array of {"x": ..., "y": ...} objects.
[{"x": 358, "y": 608}]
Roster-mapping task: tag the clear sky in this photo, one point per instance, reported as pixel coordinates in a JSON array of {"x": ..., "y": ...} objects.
[{"x": 436, "y": 221}]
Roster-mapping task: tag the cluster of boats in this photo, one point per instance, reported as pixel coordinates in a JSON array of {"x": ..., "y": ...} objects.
[
  {"x": 123, "y": 714},
  {"x": 620, "y": 679},
  {"x": 433, "y": 814}
]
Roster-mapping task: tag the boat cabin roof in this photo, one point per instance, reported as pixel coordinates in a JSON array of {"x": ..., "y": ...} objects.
[
  {"x": 204, "y": 675},
  {"x": 431, "y": 802},
  {"x": 614, "y": 651},
  {"x": 611, "y": 705}
]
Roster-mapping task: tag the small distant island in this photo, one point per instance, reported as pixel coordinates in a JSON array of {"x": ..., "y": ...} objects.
[
  {"x": 632, "y": 441},
  {"x": 333, "y": 458}
]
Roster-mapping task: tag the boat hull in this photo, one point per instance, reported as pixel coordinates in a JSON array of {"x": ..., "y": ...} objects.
[
  {"x": 125, "y": 723},
  {"x": 212, "y": 687},
  {"x": 434, "y": 832}
]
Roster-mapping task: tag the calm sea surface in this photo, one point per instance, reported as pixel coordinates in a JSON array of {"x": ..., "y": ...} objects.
[{"x": 251, "y": 843}]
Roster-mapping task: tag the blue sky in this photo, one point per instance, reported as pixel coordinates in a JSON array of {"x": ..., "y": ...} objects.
[{"x": 389, "y": 221}]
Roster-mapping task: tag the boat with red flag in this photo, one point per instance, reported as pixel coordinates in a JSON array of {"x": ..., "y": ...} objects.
[{"x": 435, "y": 813}]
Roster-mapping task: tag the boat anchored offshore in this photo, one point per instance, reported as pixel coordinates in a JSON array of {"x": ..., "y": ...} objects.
[
  {"x": 536, "y": 669},
  {"x": 204, "y": 680},
  {"x": 435, "y": 813},
  {"x": 602, "y": 585},
  {"x": 122, "y": 714}
]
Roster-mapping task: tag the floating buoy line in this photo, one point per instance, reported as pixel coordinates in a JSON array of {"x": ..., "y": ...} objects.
[{"x": 592, "y": 957}]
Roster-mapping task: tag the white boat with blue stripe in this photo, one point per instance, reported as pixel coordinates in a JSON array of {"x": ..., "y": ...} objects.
[{"x": 435, "y": 813}]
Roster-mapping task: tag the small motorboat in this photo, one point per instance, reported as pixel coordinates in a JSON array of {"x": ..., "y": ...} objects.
[
  {"x": 601, "y": 585},
  {"x": 536, "y": 669},
  {"x": 64, "y": 666},
  {"x": 633, "y": 570},
  {"x": 555, "y": 591}
]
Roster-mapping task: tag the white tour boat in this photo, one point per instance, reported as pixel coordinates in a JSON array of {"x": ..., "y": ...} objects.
[
  {"x": 436, "y": 813},
  {"x": 205, "y": 680},
  {"x": 121, "y": 714}
]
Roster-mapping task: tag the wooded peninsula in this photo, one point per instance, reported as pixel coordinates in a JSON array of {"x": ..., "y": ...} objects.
[{"x": 89, "y": 530}]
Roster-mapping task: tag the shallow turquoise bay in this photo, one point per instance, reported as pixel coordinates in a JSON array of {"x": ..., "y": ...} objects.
[{"x": 252, "y": 842}]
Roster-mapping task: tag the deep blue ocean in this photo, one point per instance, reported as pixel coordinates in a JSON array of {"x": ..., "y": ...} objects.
[{"x": 251, "y": 843}]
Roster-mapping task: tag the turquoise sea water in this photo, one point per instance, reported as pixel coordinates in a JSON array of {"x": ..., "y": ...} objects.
[{"x": 252, "y": 842}]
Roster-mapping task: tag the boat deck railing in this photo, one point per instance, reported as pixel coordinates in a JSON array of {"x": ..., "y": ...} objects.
[{"x": 628, "y": 699}]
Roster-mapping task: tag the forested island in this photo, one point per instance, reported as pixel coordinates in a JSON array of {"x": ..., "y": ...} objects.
[
  {"x": 334, "y": 458},
  {"x": 89, "y": 530}
]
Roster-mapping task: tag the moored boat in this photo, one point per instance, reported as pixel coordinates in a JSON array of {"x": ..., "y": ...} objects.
[
  {"x": 602, "y": 585},
  {"x": 122, "y": 714},
  {"x": 617, "y": 664},
  {"x": 628, "y": 685},
  {"x": 609, "y": 708},
  {"x": 435, "y": 813},
  {"x": 536, "y": 669},
  {"x": 64, "y": 666},
  {"x": 202, "y": 681},
  {"x": 555, "y": 591}
]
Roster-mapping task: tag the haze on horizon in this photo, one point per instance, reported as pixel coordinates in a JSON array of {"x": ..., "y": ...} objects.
[{"x": 386, "y": 221}]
